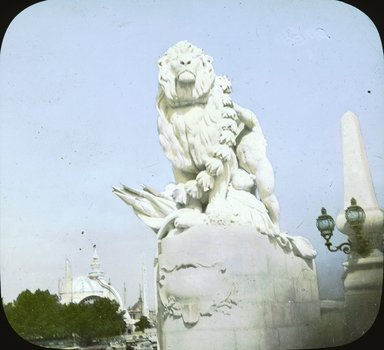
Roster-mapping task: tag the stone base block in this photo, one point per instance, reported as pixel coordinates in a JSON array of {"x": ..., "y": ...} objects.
[{"x": 231, "y": 288}]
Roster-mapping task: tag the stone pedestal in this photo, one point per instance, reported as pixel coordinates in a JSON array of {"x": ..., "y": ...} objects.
[
  {"x": 363, "y": 284},
  {"x": 363, "y": 278},
  {"x": 231, "y": 288}
]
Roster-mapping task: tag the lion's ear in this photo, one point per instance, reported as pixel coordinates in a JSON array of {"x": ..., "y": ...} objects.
[
  {"x": 206, "y": 60},
  {"x": 163, "y": 61}
]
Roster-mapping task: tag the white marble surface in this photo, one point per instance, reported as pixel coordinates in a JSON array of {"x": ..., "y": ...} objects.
[
  {"x": 229, "y": 288},
  {"x": 227, "y": 277},
  {"x": 216, "y": 148}
]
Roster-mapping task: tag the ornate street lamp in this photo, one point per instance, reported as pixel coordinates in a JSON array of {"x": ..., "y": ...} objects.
[
  {"x": 355, "y": 217},
  {"x": 325, "y": 224}
]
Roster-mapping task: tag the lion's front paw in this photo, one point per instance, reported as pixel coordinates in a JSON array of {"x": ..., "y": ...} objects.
[
  {"x": 179, "y": 194},
  {"x": 205, "y": 180},
  {"x": 193, "y": 189},
  {"x": 214, "y": 166}
]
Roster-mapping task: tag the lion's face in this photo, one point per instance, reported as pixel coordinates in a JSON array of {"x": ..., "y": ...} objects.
[{"x": 185, "y": 74}]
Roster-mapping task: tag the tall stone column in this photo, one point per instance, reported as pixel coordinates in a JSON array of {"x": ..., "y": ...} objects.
[{"x": 363, "y": 276}]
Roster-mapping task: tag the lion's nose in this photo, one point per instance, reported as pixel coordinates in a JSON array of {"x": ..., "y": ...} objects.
[{"x": 183, "y": 63}]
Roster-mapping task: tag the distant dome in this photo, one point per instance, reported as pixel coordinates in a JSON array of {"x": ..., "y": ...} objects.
[
  {"x": 83, "y": 286},
  {"x": 86, "y": 288}
]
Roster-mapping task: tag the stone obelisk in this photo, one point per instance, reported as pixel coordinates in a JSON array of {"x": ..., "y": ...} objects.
[
  {"x": 357, "y": 178},
  {"x": 363, "y": 275}
]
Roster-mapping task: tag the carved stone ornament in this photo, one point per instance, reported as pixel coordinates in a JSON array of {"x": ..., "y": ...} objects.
[{"x": 181, "y": 288}]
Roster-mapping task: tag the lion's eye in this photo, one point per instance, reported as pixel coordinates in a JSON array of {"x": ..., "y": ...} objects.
[
  {"x": 189, "y": 62},
  {"x": 182, "y": 62}
]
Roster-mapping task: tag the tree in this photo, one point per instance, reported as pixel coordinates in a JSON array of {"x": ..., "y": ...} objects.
[
  {"x": 142, "y": 324},
  {"x": 99, "y": 319},
  {"x": 36, "y": 315},
  {"x": 40, "y": 315}
]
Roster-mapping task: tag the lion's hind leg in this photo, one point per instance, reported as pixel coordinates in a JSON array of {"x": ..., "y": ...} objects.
[{"x": 251, "y": 153}]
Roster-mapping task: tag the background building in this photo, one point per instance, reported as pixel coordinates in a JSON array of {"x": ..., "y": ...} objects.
[{"x": 88, "y": 288}]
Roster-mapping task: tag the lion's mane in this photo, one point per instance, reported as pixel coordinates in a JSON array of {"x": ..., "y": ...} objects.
[{"x": 203, "y": 146}]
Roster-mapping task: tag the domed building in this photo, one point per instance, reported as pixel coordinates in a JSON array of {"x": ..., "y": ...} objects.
[
  {"x": 87, "y": 288},
  {"x": 84, "y": 289}
]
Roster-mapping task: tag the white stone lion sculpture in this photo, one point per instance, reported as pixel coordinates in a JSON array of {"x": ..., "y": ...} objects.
[
  {"x": 218, "y": 153},
  {"x": 212, "y": 143}
]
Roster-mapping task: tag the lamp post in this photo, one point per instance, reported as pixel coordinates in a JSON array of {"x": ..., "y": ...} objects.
[{"x": 355, "y": 217}]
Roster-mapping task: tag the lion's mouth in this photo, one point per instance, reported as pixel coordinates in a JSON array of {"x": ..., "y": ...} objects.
[{"x": 186, "y": 77}]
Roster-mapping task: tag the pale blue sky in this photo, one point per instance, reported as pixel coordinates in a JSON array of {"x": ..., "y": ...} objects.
[{"x": 78, "y": 81}]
